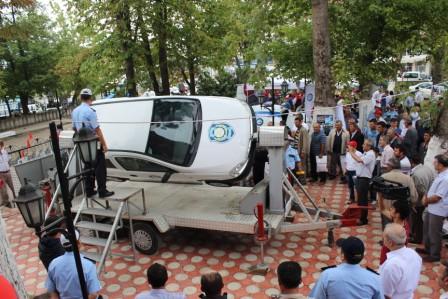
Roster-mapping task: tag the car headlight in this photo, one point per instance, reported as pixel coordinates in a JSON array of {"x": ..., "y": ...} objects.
[{"x": 236, "y": 171}]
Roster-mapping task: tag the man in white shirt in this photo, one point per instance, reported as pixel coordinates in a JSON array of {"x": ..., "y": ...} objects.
[
  {"x": 400, "y": 273},
  {"x": 366, "y": 164},
  {"x": 418, "y": 96},
  {"x": 350, "y": 167},
  {"x": 436, "y": 201},
  {"x": 157, "y": 277},
  {"x": 388, "y": 151},
  {"x": 400, "y": 154},
  {"x": 5, "y": 176}
]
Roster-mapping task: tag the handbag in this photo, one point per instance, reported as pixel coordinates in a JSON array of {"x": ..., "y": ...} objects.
[{"x": 321, "y": 164}]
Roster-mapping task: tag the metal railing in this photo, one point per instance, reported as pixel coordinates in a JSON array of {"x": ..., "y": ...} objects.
[{"x": 20, "y": 155}]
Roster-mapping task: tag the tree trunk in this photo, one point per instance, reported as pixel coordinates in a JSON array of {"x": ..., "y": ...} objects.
[
  {"x": 191, "y": 72},
  {"x": 8, "y": 266},
  {"x": 322, "y": 54},
  {"x": 24, "y": 98},
  {"x": 162, "y": 38},
  {"x": 124, "y": 27},
  {"x": 150, "y": 62},
  {"x": 442, "y": 127},
  {"x": 438, "y": 60},
  {"x": 9, "y": 107}
]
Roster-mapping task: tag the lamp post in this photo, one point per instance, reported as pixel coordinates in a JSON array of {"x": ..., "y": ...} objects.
[
  {"x": 31, "y": 205},
  {"x": 285, "y": 86},
  {"x": 31, "y": 201}
]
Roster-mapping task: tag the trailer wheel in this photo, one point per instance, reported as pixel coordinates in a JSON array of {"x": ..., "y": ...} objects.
[{"x": 146, "y": 238}]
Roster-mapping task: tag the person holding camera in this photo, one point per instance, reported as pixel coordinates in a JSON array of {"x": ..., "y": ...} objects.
[{"x": 395, "y": 175}]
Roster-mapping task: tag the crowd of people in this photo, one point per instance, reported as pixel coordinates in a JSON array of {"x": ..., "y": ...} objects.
[{"x": 392, "y": 147}]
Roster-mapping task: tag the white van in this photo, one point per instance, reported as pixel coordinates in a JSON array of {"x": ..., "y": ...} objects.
[
  {"x": 192, "y": 138},
  {"x": 413, "y": 76}
]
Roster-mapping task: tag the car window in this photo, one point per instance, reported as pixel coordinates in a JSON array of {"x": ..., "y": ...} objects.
[
  {"x": 410, "y": 75},
  {"x": 175, "y": 130},
  {"x": 135, "y": 164}
]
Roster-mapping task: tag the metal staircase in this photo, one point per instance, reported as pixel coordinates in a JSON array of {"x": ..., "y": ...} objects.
[{"x": 96, "y": 208}]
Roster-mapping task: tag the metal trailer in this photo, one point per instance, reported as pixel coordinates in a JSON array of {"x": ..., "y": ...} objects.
[{"x": 153, "y": 208}]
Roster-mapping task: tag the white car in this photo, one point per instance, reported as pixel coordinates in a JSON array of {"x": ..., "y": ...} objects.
[
  {"x": 413, "y": 76},
  {"x": 424, "y": 87},
  {"x": 186, "y": 138}
]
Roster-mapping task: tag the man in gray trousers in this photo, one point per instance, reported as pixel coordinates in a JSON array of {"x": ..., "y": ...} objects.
[{"x": 437, "y": 202}]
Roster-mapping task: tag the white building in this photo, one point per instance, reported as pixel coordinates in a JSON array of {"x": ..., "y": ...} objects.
[{"x": 416, "y": 63}]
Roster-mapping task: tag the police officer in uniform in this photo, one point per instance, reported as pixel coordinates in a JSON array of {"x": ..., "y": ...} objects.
[
  {"x": 85, "y": 116},
  {"x": 63, "y": 281},
  {"x": 348, "y": 280}
]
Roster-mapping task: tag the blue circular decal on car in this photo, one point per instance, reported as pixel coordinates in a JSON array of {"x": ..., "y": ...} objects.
[
  {"x": 259, "y": 121},
  {"x": 220, "y": 132}
]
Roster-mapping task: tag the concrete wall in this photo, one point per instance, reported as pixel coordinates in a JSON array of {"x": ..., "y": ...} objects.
[{"x": 15, "y": 122}]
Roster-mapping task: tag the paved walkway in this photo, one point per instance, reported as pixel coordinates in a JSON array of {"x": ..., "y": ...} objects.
[{"x": 190, "y": 253}]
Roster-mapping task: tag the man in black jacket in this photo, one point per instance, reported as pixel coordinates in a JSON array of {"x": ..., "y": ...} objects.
[{"x": 50, "y": 246}]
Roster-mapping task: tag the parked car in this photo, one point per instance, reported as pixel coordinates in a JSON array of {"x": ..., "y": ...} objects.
[
  {"x": 192, "y": 138},
  {"x": 424, "y": 87},
  {"x": 414, "y": 76}
]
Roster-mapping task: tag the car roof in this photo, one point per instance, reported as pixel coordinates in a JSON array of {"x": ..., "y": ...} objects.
[{"x": 149, "y": 98}]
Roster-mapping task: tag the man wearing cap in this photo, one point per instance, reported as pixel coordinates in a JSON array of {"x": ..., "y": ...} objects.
[
  {"x": 437, "y": 202},
  {"x": 63, "y": 276},
  {"x": 350, "y": 166},
  {"x": 85, "y": 116},
  {"x": 400, "y": 273},
  {"x": 348, "y": 280}
]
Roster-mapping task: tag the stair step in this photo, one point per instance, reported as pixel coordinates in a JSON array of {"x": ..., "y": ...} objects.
[
  {"x": 94, "y": 226},
  {"x": 93, "y": 241},
  {"x": 99, "y": 212},
  {"x": 92, "y": 255}
]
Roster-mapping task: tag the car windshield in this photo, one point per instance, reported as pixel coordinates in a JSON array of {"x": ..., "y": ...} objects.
[
  {"x": 175, "y": 130},
  {"x": 410, "y": 75}
]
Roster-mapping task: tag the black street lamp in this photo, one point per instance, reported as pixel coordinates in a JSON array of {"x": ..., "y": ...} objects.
[
  {"x": 67, "y": 196},
  {"x": 31, "y": 205},
  {"x": 87, "y": 143},
  {"x": 285, "y": 88},
  {"x": 31, "y": 201}
]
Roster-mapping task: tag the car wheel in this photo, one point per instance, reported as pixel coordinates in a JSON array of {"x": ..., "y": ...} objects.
[{"x": 146, "y": 238}]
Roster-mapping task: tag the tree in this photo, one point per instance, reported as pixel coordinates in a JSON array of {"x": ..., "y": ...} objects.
[
  {"x": 322, "y": 53},
  {"x": 28, "y": 54},
  {"x": 224, "y": 84}
]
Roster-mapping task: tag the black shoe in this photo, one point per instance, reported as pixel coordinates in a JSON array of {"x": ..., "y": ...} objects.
[
  {"x": 91, "y": 194},
  {"x": 106, "y": 194}
]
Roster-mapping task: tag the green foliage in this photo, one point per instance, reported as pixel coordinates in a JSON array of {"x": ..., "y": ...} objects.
[
  {"x": 224, "y": 84},
  {"x": 29, "y": 56}
]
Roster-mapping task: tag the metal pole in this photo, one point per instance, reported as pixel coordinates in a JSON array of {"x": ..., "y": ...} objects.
[
  {"x": 67, "y": 208},
  {"x": 59, "y": 109},
  {"x": 273, "y": 102}
]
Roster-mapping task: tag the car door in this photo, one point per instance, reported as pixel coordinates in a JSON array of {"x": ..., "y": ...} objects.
[{"x": 133, "y": 166}]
